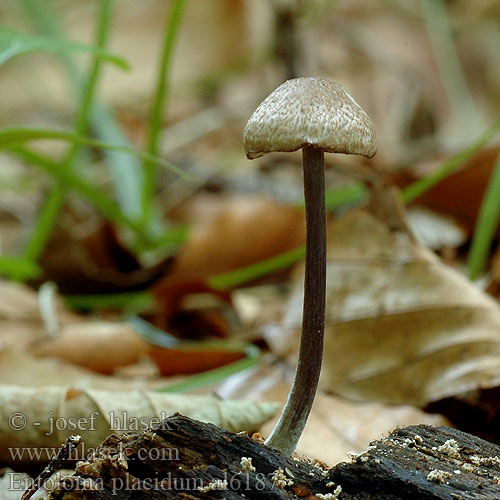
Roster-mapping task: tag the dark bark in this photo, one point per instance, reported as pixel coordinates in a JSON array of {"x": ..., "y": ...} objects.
[{"x": 194, "y": 454}]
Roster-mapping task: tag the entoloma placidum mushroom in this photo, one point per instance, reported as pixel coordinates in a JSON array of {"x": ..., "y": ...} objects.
[{"x": 317, "y": 115}]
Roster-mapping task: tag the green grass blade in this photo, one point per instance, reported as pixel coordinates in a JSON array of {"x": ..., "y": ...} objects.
[
  {"x": 252, "y": 357},
  {"x": 486, "y": 225},
  {"x": 158, "y": 337},
  {"x": 345, "y": 195},
  {"x": 443, "y": 46},
  {"x": 18, "y": 268},
  {"x": 172, "y": 236},
  {"x": 350, "y": 194},
  {"x": 126, "y": 170},
  {"x": 99, "y": 199},
  {"x": 244, "y": 274},
  {"x": 158, "y": 107},
  {"x": 42, "y": 15},
  {"x": 136, "y": 301},
  {"x": 104, "y": 204},
  {"x": 14, "y": 43},
  {"x": 335, "y": 198},
  {"x": 15, "y": 136},
  {"x": 43, "y": 227},
  {"x": 418, "y": 188},
  {"x": 153, "y": 334}
]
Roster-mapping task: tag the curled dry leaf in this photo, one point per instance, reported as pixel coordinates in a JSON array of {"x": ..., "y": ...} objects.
[
  {"x": 98, "y": 345},
  {"x": 402, "y": 327},
  {"x": 494, "y": 285},
  {"x": 45, "y": 417},
  {"x": 173, "y": 314}
]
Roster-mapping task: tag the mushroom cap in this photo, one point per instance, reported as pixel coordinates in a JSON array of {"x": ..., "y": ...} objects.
[{"x": 314, "y": 111}]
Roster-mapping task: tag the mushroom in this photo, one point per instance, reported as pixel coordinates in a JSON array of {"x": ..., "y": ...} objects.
[{"x": 317, "y": 115}]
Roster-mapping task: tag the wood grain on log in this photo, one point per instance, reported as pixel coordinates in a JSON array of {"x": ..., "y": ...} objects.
[{"x": 186, "y": 459}]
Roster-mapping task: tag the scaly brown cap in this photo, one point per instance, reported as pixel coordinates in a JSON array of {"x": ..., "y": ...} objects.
[{"x": 315, "y": 111}]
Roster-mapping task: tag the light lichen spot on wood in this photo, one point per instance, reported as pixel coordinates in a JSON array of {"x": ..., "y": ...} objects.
[
  {"x": 279, "y": 479},
  {"x": 214, "y": 485},
  {"x": 246, "y": 464},
  {"x": 438, "y": 476},
  {"x": 330, "y": 496},
  {"x": 450, "y": 448}
]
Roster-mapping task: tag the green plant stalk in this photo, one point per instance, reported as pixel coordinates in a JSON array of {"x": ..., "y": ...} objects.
[
  {"x": 157, "y": 111},
  {"x": 43, "y": 16},
  {"x": 486, "y": 225},
  {"x": 137, "y": 300},
  {"x": 10, "y": 137},
  {"x": 441, "y": 37},
  {"x": 161, "y": 338},
  {"x": 126, "y": 171},
  {"x": 68, "y": 179},
  {"x": 418, "y": 188},
  {"x": 230, "y": 279},
  {"x": 18, "y": 268},
  {"x": 44, "y": 226},
  {"x": 252, "y": 356},
  {"x": 14, "y": 43},
  {"x": 347, "y": 194}
]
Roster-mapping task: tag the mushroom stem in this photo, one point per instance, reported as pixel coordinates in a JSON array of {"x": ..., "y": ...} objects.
[{"x": 292, "y": 421}]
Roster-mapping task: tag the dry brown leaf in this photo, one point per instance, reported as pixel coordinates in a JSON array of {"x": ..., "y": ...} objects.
[
  {"x": 21, "y": 368},
  {"x": 101, "y": 346},
  {"x": 337, "y": 427},
  {"x": 20, "y": 303},
  {"x": 37, "y": 418},
  {"x": 227, "y": 233},
  {"x": 84, "y": 258},
  {"x": 172, "y": 314},
  {"x": 192, "y": 358},
  {"x": 435, "y": 231},
  {"x": 402, "y": 327},
  {"x": 21, "y": 322},
  {"x": 230, "y": 232}
]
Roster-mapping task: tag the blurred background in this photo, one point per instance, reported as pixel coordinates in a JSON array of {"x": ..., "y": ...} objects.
[
  {"x": 124, "y": 184},
  {"x": 426, "y": 71}
]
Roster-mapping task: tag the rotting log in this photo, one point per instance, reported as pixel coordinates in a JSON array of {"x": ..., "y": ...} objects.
[{"x": 186, "y": 459}]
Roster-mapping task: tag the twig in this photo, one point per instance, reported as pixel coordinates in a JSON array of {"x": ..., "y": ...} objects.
[{"x": 63, "y": 454}]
